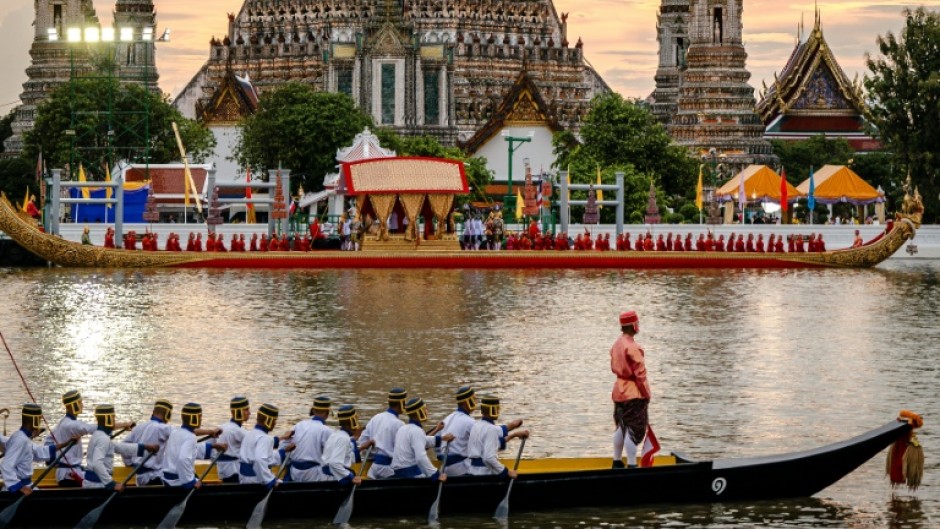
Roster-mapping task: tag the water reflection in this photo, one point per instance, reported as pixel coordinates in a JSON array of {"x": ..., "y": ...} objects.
[{"x": 741, "y": 362}]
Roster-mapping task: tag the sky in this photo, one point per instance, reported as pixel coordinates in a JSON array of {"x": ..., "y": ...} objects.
[{"x": 619, "y": 37}]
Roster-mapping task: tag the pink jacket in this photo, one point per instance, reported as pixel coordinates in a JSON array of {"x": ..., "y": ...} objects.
[{"x": 627, "y": 362}]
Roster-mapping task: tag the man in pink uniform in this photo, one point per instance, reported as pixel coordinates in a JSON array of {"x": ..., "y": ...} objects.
[{"x": 631, "y": 393}]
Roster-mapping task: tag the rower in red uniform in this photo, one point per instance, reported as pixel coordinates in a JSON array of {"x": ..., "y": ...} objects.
[
  {"x": 660, "y": 243},
  {"x": 720, "y": 244},
  {"x": 599, "y": 243},
  {"x": 730, "y": 246},
  {"x": 739, "y": 244},
  {"x": 749, "y": 246},
  {"x": 759, "y": 245},
  {"x": 627, "y": 245},
  {"x": 263, "y": 245},
  {"x": 688, "y": 245},
  {"x": 798, "y": 243},
  {"x": 820, "y": 245},
  {"x": 220, "y": 243},
  {"x": 791, "y": 244},
  {"x": 648, "y": 243},
  {"x": 700, "y": 243},
  {"x": 778, "y": 248},
  {"x": 770, "y": 243},
  {"x": 857, "y": 242},
  {"x": 669, "y": 245},
  {"x": 253, "y": 245},
  {"x": 677, "y": 245},
  {"x": 109, "y": 237},
  {"x": 710, "y": 242},
  {"x": 191, "y": 242},
  {"x": 197, "y": 246}
]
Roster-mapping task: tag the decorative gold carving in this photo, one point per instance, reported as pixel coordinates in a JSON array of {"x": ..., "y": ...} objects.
[
  {"x": 525, "y": 110},
  {"x": 912, "y": 208}
]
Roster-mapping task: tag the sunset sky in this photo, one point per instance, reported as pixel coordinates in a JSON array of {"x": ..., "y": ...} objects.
[{"x": 619, "y": 36}]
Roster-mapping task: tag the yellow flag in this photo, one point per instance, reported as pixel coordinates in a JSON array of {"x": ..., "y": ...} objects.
[
  {"x": 86, "y": 193},
  {"x": 600, "y": 193},
  {"x": 107, "y": 178},
  {"x": 698, "y": 189},
  {"x": 186, "y": 179},
  {"x": 518, "y": 204},
  {"x": 25, "y": 207}
]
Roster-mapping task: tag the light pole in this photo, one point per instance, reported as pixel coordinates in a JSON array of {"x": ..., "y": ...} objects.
[
  {"x": 715, "y": 172},
  {"x": 509, "y": 201}
]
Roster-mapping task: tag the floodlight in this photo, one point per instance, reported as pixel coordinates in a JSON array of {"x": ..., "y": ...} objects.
[
  {"x": 53, "y": 34},
  {"x": 92, "y": 34},
  {"x": 107, "y": 34},
  {"x": 148, "y": 34},
  {"x": 75, "y": 34},
  {"x": 127, "y": 34}
]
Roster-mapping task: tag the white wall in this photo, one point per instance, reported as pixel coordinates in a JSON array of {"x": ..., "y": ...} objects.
[
  {"x": 226, "y": 170},
  {"x": 538, "y": 151}
]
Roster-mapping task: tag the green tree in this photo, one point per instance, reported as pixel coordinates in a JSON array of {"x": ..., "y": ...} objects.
[
  {"x": 797, "y": 157},
  {"x": 6, "y": 128},
  {"x": 299, "y": 128},
  {"x": 904, "y": 89},
  {"x": 620, "y": 132},
  {"x": 16, "y": 175},
  {"x": 130, "y": 104}
]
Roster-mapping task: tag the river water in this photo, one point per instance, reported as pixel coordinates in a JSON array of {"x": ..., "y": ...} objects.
[{"x": 741, "y": 362}]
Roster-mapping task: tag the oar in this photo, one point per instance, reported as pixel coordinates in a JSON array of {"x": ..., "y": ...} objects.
[
  {"x": 90, "y": 519},
  {"x": 172, "y": 517},
  {"x": 257, "y": 515},
  {"x": 345, "y": 510},
  {"x": 10, "y": 511},
  {"x": 436, "y": 506},
  {"x": 502, "y": 510}
]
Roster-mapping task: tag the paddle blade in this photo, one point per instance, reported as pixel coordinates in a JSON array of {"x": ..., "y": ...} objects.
[
  {"x": 435, "y": 511},
  {"x": 7, "y": 515},
  {"x": 257, "y": 516},
  {"x": 502, "y": 510},
  {"x": 345, "y": 510},
  {"x": 173, "y": 517},
  {"x": 92, "y": 517}
]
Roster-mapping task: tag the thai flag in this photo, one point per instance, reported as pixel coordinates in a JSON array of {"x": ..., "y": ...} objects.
[
  {"x": 650, "y": 447},
  {"x": 538, "y": 195}
]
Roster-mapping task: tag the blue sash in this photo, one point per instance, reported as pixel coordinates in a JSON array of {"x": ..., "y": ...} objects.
[
  {"x": 477, "y": 462},
  {"x": 304, "y": 465},
  {"x": 170, "y": 476},
  {"x": 382, "y": 459},
  {"x": 225, "y": 458},
  {"x": 414, "y": 471},
  {"x": 246, "y": 469},
  {"x": 453, "y": 459},
  {"x": 92, "y": 477}
]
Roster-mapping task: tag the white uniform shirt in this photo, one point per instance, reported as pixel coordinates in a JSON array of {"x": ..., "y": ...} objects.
[
  {"x": 232, "y": 435},
  {"x": 411, "y": 445},
  {"x": 179, "y": 459},
  {"x": 381, "y": 429},
  {"x": 486, "y": 439},
  {"x": 16, "y": 467},
  {"x": 101, "y": 451},
  {"x": 70, "y": 466},
  {"x": 458, "y": 423},
  {"x": 310, "y": 437},
  {"x": 256, "y": 457},
  {"x": 338, "y": 455},
  {"x": 152, "y": 432}
]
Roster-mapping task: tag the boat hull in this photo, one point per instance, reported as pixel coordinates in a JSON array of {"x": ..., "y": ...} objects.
[
  {"x": 69, "y": 254},
  {"x": 792, "y": 475}
]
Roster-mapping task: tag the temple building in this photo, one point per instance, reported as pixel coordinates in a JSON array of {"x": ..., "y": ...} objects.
[
  {"x": 715, "y": 106},
  {"x": 421, "y": 67},
  {"x": 813, "y": 96},
  {"x": 671, "y": 32},
  {"x": 69, "y": 40}
]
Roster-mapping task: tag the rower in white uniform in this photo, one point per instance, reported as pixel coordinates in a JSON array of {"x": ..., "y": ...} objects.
[
  {"x": 69, "y": 472},
  {"x": 410, "y": 459},
  {"x": 459, "y": 424},
  {"x": 341, "y": 450},
  {"x": 232, "y": 435},
  {"x": 487, "y": 438},
  {"x": 260, "y": 451},
  {"x": 182, "y": 450},
  {"x": 153, "y": 432},
  {"x": 380, "y": 433},
  {"x": 16, "y": 468},
  {"x": 101, "y": 450},
  {"x": 309, "y": 436}
]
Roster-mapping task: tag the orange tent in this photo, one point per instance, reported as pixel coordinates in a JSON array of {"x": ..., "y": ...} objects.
[
  {"x": 761, "y": 183},
  {"x": 838, "y": 183}
]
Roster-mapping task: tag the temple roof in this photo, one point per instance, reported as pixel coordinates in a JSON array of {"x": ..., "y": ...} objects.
[
  {"x": 365, "y": 145},
  {"x": 811, "y": 83},
  {"x": 235, "y": 99},
  {"x": 523, "y": 105},
  {"x": 405, "y": 175}
]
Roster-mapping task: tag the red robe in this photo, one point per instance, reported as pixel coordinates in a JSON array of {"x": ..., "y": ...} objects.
[{"x": 109, "y": 239}]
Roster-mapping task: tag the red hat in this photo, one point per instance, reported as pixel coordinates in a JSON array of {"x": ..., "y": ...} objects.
[{"x": 629, "y": 318}]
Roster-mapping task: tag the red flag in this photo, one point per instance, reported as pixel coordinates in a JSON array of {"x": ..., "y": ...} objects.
[
  {"x": 783, "y": 191},
  {"x": 650, "y": 447}
]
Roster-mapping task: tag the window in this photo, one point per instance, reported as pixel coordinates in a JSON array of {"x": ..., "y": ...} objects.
[
  {"x": 344, "y": 80},
  {"x": 432, "y": 97},
  {"x": 388, "y": 94}
]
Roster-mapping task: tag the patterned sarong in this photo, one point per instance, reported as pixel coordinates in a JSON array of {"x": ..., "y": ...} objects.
[{"x": 632, "y": 417}]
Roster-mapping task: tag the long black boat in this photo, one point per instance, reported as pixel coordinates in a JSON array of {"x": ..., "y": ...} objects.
[{"x": 543, "y": 484}]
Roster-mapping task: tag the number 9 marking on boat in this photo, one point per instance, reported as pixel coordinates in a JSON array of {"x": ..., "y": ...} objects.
[{"x": 719, "y": 485}]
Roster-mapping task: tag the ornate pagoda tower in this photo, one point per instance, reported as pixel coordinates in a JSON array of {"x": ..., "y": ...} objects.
[
  {"x": 671, "y": 31},
  {"x": 53, "y": 59},
  {"x": 136, "y": 61},
  {"x": 716, "y": 107}
]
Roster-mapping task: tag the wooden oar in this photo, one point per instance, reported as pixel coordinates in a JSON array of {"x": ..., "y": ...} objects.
[
  {"x": 90, "y": 519},
  {"x": 502, "y": 510},
  {"x": 10, "y": 511},
  {"x": 172, "y": 517},
  {"x": 257, "y": 515},
  {"x": 345, "y": 510},
  {"x": 436, "y": 506}
]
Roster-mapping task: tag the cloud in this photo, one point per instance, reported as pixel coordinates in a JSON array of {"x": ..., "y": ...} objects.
[{"x": 17, "y": 35}]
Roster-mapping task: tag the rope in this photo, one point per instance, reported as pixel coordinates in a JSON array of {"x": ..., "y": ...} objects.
[{"x": 33, "y": 399}]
